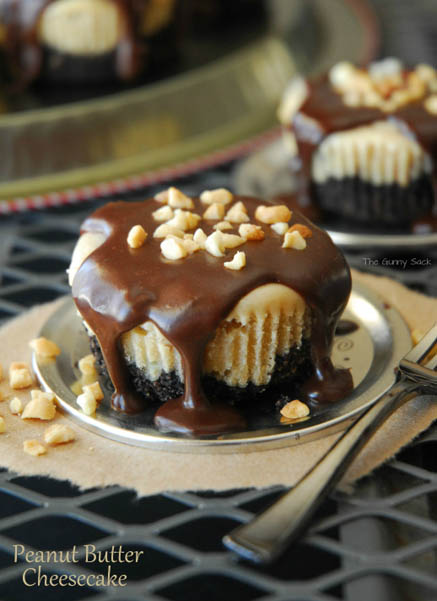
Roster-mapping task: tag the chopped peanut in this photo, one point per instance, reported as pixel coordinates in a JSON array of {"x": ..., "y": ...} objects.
[
  {"x": 137, "y": 236},
  {"x": 86, "y": 365},
  {"x": 191, "y": 246},
  {"x": 16, "y": 406},
  {"x": 162, "y": 197},
  {"x": 167, "y": 230},
  {"x": 95, "y": 390},
  {"x": 59, "y": 434},
  {"x": 184, "y": 220},
  {"x": 34, "y": 447},
  {"x": 303, "y": 230},
  {"x": 426, "y": 73},
  {"x": 41, "y": 406},
  {"x": 219, "y": 195},
  {"x": 173, "y": 248},
  {"x": 214, "y": 244},
  {"x": 431, "y": 104},
  {"x": 87, "y": 402},
  {"x": 178, "y": 200},
  {"x": 238, "y": 261},
  {"x": 214, "y": 211},
  {"x": 222, "y": 225},
  {"x": 237, "y": 213},
  {"x": 163, "y": 214},
  {"x": 20, "y": 376},
  {"x": 232, "y": 240},
  {"x": 280, "y": 228},
  {"x": 294, "y": 240},
  {"x": 44, "y": 347},
  {"x": 249, "y": 231},
  {"x": 295, "y": 409},
  {"x": 2, "y": 425},
  {"x": 200, "y": 237},
  {"x": 36, "y": 393},
  {"x": 386, "y": 85},
  {"x": 272, "y": 214},
  {"x": 218, "y": 242}
]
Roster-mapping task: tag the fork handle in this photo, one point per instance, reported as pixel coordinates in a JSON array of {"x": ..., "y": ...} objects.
[{"x": 263, "y": 538}]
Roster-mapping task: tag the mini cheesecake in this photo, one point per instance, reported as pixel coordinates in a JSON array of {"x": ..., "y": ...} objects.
[
  {"x": 223, "y": 298},
  {"x": 83, "y": 41},
  {"x": 364, "y": 141}
]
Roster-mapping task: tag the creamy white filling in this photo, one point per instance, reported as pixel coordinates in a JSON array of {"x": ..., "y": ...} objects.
[
  {"x": 81, "y": 27},
  {"x": 380, "y": 154}
]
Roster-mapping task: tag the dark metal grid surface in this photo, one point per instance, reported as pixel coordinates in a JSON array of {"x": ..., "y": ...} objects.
[{"x": 376, "y": 541}]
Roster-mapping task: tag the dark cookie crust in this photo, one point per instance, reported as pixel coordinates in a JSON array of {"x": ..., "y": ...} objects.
[
  {"x": 357, "y": 200},
  {"x": 289, "y": 369}
]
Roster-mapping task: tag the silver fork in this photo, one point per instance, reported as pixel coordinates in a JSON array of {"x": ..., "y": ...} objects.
[{"x": 267, "y": 535}]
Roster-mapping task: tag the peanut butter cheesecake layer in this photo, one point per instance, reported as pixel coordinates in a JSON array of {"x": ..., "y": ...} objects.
[
  {"x": 199, "y": 301},
  {"x": 364, "y": 141}
]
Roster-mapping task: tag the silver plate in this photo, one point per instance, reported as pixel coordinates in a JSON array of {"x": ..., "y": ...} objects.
[
  {"x": 266, "y": 173},
  {"x": 372, "y": 352}
]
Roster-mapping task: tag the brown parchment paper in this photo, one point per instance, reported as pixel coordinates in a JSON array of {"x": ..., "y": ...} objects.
[{"x": 95, "y": 461}]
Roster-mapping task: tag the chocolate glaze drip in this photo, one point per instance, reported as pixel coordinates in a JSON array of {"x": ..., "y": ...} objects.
[
  {"x": 330, "y": 114},
  {"x": 25, "y": 51},
  {"x": 117, "y": 288},
  {"x": 346, "y": 326}
]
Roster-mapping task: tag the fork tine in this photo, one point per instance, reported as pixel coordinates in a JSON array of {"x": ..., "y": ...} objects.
[{"x": 423, "y": 347}]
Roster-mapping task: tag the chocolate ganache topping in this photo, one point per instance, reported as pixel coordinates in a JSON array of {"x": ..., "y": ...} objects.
[{"x": 118, "y": 287}]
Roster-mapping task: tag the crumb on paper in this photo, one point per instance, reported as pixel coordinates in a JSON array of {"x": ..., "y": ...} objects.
[
  {"x": 59, "y": 434},
  {"x": 16, "y": 406},
  {"x": 41, "y": 406},
  {"x": 20, "y": 376},
  {"x": 34, "y": 447}
]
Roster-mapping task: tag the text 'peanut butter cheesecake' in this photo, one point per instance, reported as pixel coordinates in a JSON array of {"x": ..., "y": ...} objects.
[{"x": 207, "y": 304}]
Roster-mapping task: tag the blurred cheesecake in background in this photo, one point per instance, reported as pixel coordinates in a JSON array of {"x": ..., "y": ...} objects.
[
  {"x": 363, "y": 141},
  {"x": 88, "y": 41},
  {"x": 95, "y": 41}
]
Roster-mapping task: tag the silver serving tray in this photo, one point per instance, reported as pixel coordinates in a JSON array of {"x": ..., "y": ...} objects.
[
  {"x": 372, "y": 352},
  {"x": 266, "y": 173}
]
